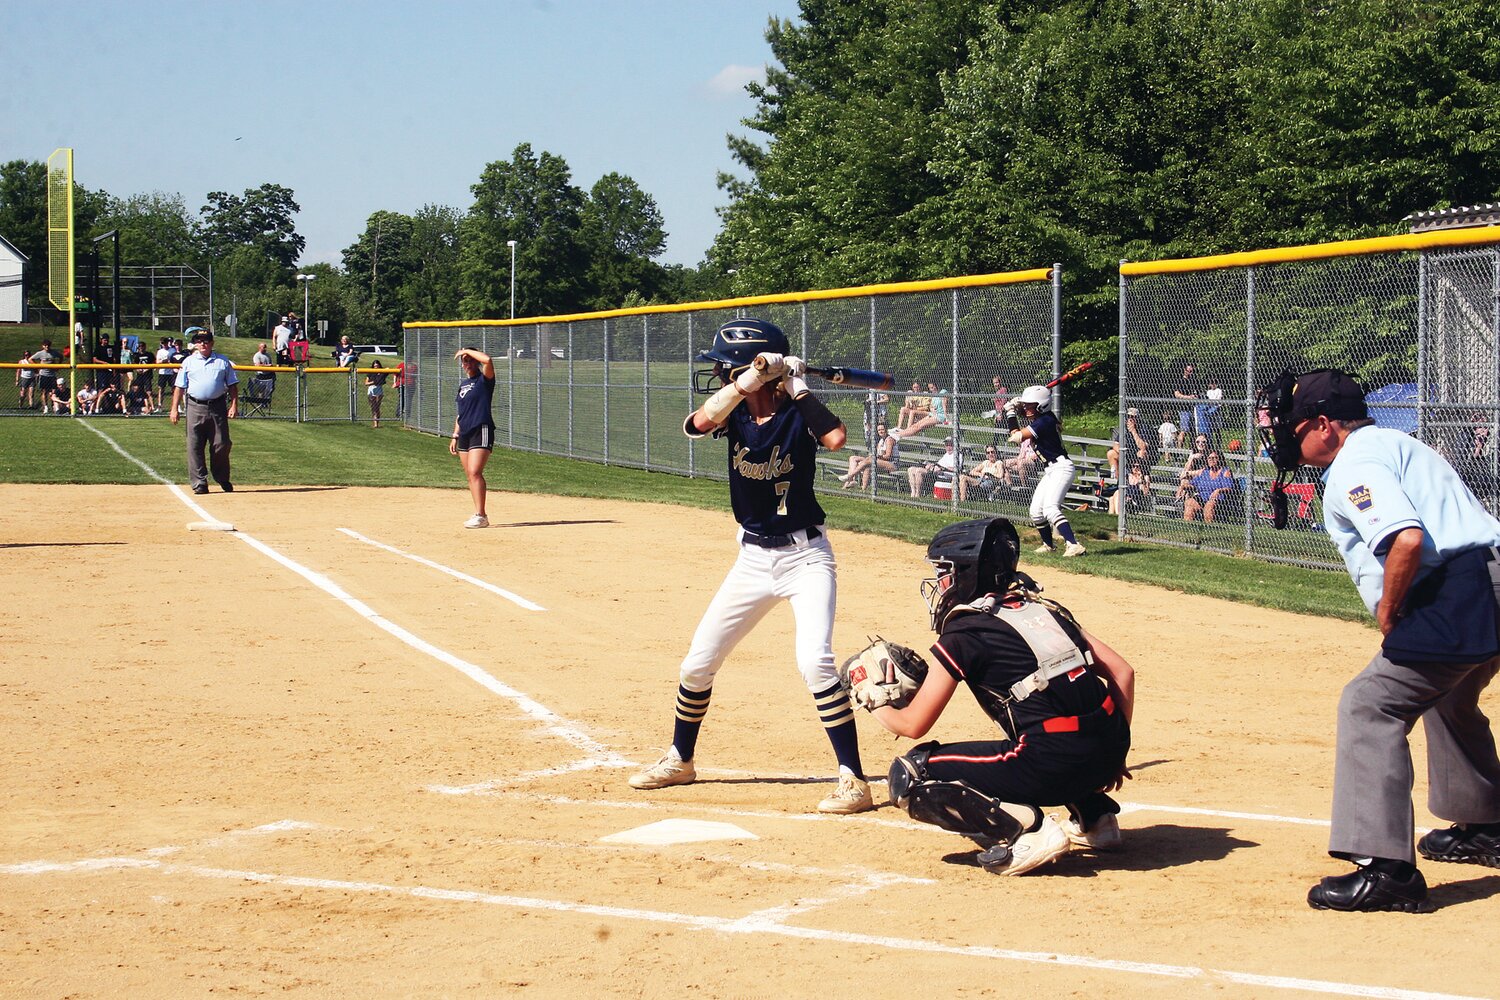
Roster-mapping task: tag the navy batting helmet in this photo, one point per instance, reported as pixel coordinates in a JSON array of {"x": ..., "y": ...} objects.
[
  {"x": 972, "y": 558},
  {"x": 735, "y": 347}
]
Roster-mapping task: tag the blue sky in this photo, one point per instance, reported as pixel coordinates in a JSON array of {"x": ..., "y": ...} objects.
[{"x": 364, "y": 106}]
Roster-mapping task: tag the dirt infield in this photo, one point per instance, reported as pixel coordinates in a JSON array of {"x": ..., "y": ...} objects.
[{"x": 288, "y": 760}]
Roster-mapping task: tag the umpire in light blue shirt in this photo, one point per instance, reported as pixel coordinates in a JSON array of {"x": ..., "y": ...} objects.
[
  {"x": 1421, "y": 548},
  {"x": 209, "y": 382}
]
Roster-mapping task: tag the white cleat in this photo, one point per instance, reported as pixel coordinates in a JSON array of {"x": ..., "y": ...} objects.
[
  {"x": 670, "y": 770},
  {"x": 1045, "y": 550},
  {"x": 851, "y": 796},
  {"x": 477, "y": 521},
  {"x": 1031, "y": 850},
  {"x": 1074, "y": 549},
  {"x": 1104, "y": 835}
]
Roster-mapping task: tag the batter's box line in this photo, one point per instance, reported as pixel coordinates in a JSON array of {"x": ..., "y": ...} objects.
[{"x": 764, "y": 923}]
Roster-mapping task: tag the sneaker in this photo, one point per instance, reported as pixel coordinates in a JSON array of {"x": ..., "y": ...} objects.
[
  {"x": 1045, "y": 550},
  {"x": 851, "y": 796},
  {"x": 1030, "y": 850},
  {"x": 1369, "y": 890},
  {"x": 1462, "y": 845},
  {"x": 1104, "y": 835},
  {"x": 477, "y": 521},
  {"x": 670, "y": 770},
  {"x": 1074, "y": 549}
]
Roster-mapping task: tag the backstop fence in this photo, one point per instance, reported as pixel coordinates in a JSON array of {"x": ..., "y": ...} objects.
[
  {"x": 1414, "y": 318},
  {"x": 614, "y": 387}
]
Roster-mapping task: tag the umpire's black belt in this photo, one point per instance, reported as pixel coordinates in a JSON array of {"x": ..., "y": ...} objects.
[
  {"x": 206, "y": 402},
  {"x": 779, "y": 541}
]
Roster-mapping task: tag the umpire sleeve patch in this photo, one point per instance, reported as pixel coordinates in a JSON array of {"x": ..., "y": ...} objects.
[{"x": 1361, "y": 498}]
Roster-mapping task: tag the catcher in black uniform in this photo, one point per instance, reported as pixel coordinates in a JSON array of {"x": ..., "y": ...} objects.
[{"x": 1062, "y": 699}]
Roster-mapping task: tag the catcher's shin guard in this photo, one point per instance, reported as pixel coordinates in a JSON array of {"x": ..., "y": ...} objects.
[{"x": 952, "y": 805}]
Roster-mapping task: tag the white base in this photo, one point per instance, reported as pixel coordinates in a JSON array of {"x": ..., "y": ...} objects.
[
  {"x": 210, "y": 526},
  {"x": 679, "y": 831}
]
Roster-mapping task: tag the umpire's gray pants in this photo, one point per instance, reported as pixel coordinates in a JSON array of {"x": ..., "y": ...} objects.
[
  {"x": 208, "y": 423},
  {"x": 1372, "y": 778}
]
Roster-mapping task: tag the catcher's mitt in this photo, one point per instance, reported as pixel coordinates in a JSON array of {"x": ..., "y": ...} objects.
[{"x": 883, "y": 673}]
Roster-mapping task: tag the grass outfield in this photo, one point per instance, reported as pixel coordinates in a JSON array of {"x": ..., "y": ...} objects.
[{"x": 58, "y": 450}]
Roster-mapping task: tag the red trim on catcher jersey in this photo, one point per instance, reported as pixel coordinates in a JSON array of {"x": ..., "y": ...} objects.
[
  {"x": 997, "y": 758},
  {"x": 938, "y": 649},
  {"x": 1069, "y": 723}
]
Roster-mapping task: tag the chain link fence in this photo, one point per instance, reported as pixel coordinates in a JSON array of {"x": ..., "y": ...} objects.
[
  {"x": 1415, "y": 324},
  {"x": 615, "y": 387}
]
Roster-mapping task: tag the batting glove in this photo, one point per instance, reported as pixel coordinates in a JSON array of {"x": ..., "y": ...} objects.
[{"x": 795, "y": 366}]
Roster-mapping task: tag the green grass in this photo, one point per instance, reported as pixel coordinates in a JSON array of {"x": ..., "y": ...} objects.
[{"x": 58, "y": 450}]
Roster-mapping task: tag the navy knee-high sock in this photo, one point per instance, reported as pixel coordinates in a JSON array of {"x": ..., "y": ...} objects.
[
  {"x": 837, "y": 716},
  {"x": 692, "y": 706}
]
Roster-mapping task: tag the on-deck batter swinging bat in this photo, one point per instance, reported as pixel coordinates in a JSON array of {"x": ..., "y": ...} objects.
[{"x": 861, "y": 378}]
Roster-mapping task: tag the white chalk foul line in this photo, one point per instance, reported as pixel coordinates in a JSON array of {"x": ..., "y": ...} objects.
[
  {"x": 552, "y": 723},
  {"x": 457, "y": 574},
  {"x": 767, "y": 922}
]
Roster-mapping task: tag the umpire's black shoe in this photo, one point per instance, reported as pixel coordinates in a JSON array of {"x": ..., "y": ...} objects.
[
  {"x": 227, "y": 487},
  {"x": 1368, "y": 890},
  {"x": 1467, "y": 845},
  {"x": 200, "y": 490}
]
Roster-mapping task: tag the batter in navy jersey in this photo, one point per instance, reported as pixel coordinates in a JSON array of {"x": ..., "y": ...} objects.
[
  {"x": 1062, "y": 698},
  {"x": 474, "y": 426},
  {"x": 1045, "y": 433},
  {"x": 773, "y": 426}
]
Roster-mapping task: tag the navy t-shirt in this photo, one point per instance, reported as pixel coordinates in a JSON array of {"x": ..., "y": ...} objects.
[
  {"x": 474, "y": 395},
  {"x": 771, "y": 469}
]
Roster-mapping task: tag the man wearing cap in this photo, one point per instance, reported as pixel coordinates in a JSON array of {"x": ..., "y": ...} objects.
[
  {"x": 1421, "y": 549},
  {"x": 211, "y": 386},
  {"x": 282, "y": 338}
]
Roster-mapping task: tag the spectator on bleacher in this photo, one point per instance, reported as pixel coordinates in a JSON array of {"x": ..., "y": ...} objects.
[
  {"x": 59, "y": 397},
  {"x": 25, "y": 381},
  {"x": 876, "y": 404},
  {"x": 1207, "y": 491},
  {"x": 936, "y": 415},
  {"x": 1018, "y": 467},
  {"x": 941, "y": 471},
  {"x": 916, "y": 405},
  {"x": 375, "y": 391},
  {"x": 1135, "y": 446},
  {"x": 1136, "y": 492},
  {"x": 887, "y": 458},
  {"x": 1189, "y": 388},
  {"x": 985, "y": 479},
  {"x": 1197, "y": 459}
]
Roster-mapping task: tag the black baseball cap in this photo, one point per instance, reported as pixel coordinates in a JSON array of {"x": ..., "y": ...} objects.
[{"x": 1328, "y": 392}]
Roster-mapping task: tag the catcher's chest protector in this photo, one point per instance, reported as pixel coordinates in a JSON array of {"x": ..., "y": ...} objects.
[{"x": 1055, "y": 651}]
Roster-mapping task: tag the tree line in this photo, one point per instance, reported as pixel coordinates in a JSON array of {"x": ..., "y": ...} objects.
[{"x": 575, "y": 251}]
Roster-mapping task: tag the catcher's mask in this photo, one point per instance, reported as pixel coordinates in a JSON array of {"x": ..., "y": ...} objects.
[
  {"x": 1286, "y": 403},
  {"x": 734, "y": 348},
  {"x": 971, "y": 558}
]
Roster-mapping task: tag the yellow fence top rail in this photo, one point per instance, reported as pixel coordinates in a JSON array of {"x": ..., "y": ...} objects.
[
  {"x": 893, "y": 288},
  {"x": 1317, "y": 251}
]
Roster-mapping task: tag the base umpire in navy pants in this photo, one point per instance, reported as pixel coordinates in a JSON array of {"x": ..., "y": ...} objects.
[
  {"x": 209, "y": 382},
  {"x": 1422, "y": 550}
]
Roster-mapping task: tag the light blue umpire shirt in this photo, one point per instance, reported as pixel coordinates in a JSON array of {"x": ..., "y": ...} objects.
[
  {"x": 1382, "y": 481},
  {"x": 207, "y": 378}
]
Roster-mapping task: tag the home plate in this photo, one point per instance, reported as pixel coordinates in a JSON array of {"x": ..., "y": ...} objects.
[{"x": 679, "y": 831}]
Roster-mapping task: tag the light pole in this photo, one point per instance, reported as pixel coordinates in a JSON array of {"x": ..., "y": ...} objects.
[
  {"x": 306, "y": 280},
  {"x": 512, "y": 245}
]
